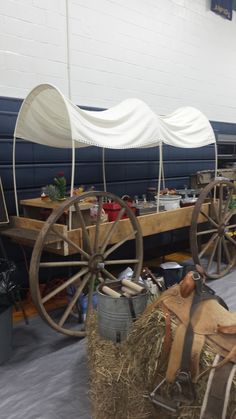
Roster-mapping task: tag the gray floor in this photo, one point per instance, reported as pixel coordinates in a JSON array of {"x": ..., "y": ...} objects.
[
  {"x": 47, "y": 375},
  {"x": 226, "y": 288}
]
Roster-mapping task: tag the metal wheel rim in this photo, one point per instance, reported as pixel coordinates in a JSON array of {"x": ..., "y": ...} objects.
[
  {"x": 221, "y": 224},
  {"x": 38, "y": 249}
]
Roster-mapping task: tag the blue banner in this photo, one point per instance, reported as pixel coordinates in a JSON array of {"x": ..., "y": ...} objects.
[{"x": 222, "y": 7}]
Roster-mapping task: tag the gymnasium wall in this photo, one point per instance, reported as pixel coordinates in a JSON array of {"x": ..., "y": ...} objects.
[{"x": 169, "y": 53}]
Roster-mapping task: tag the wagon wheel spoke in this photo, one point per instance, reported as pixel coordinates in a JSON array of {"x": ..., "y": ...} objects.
[
  {"x": 213, "y": 209},
  {"x": 100, "y": 277},
  {"x": 120, "y": 243},
  {"x": 64, "y": 285},
  {"x": 109, "y": 275},
  {"x": 65, "y": 263},
  {"x": 207, "y": 245},
  {"x": 83, "y": 226},
  {"x": 74, "y": 300},
  {"x": 120, "y": 262},
  {"x": 220, "y": 207},
  {"x": 226, "y": 250},
  {"x": 213, "y": 254},
  {"x": 202, "y": 233},
  {"x": 228, "y": 216},
  {"x": 90, "y": 300},
  {"x": 112, "y": 229},
  {"x": 231, "y": 226},
  {"x": 219, "y": 255},
  {"x": 98, "y": 223},
  {"x": 229, "y": 238},
  {"x": 69, "y": 241},
  {"x": 209, "y": 218}
]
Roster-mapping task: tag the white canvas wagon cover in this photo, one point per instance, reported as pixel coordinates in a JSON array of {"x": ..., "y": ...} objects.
[{"x": 47, "y": 117}]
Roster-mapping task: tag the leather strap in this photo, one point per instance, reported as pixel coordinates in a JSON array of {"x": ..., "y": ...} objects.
[
  {"x": 200, "y": 294},
  {"x": 227, "y": 330},
  {"x": 182, "y": 389}
]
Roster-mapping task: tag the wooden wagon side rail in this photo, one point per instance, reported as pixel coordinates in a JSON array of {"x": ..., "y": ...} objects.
[
  {"x": 150, "y": 224},
  {"x": 25, "y": 231}
]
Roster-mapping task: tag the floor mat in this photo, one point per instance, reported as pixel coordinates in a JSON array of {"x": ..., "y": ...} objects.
[{"x": 46, "y": 377}]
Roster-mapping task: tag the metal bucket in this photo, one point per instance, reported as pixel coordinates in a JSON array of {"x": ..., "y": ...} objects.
[
  {"x": 116, "y": 315},
  {"x": 170, "y": 202}
]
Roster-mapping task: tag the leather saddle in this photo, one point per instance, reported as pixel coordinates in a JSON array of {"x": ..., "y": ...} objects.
[
  {"x": 211, "y": 323},
  {"x": 199, "y": 317}
]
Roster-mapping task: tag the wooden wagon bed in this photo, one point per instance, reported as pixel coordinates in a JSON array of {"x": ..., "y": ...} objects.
[{"x": 24, "y": 230}]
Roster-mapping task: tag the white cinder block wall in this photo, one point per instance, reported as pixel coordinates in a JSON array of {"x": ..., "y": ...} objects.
[{"x": 169, "y": 53}]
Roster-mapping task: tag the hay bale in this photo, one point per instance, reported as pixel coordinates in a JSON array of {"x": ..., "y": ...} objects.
[{"x": 123, "y": 375}]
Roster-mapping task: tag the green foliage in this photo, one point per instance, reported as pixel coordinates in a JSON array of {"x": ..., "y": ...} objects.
[
  {"x": 60, "y": 184},
  {"x": 52, "y": 192},
  {"x": 58, "y": 189},
  {"x": 232, "y": 204}
]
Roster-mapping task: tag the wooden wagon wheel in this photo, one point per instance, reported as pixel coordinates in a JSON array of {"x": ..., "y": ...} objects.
[
  {"x": 91, "y": 262},
  {"x": 213, "y": 243}
]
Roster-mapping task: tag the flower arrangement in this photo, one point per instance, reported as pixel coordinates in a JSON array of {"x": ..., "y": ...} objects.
[{"x": 57, "y": 191}]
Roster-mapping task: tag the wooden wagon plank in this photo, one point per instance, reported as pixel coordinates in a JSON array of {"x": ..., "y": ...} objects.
[
  {"x": 27, "y": 235},
  {"x": 25, "y": 231},
  {"x": 43, "y": 203},
  {"x": 150, "y": 224},
  {"x": 32, "y": 224},
  {"x": 168, "y": 220},
  {"x": 76, "y": 237}
]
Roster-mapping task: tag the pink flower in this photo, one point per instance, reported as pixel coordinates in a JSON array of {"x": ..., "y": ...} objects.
[{"x": 61, "y": 174}]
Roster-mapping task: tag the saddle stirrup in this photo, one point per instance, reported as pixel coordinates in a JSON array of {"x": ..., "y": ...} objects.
[{"x": 157, "y": 398}]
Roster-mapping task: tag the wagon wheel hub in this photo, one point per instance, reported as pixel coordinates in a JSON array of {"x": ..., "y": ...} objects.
[
  {"x": 96, "y": 263},
  {"x": 221, "y": 229}
]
